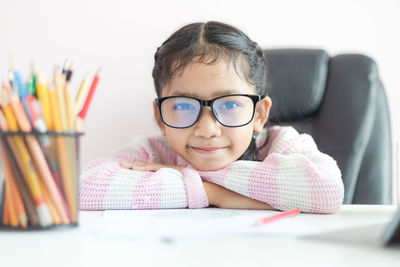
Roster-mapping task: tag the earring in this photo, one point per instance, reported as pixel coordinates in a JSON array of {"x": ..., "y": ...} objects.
[{"x": 255, "y": 134}]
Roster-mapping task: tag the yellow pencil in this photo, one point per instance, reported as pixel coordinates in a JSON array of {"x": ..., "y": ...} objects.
[
  {"x": 62, "y": 154},
  {"x": 69, "y": 108},
  {"x": 70, "y": 141},
  {"x": 55, "y": 110},
  {"x": 59, "y": 86},
  {"x": 80, "y": 97},
  {"x": 43, "y": 95}
]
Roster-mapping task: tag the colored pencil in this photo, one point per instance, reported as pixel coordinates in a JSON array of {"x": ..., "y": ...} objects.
[
  {"x": 6, "y": 213},
  {"x": 15, "y": 194},
  {"x": 42, "y": 166},
  {"x": 69, "y": 140},
  {"x": 277, "y": 217},
  {"x": 62, "y": 156},
  {"x": 27, "y": 198},
  {"x": 29, "y": 172},
  {"x": 53, "y": 211},
  {"x": 59, "y": 82},
  {"x": 81, "y": 94},
  {"x": 12, "y": 210},
  {"x": 82, "y": 114},
  {"x": 41, "y": 185},
  {"x": 44, "y": 98},
  {"x": 2, "y": 198},
  {"x": 21, "y": 91}
]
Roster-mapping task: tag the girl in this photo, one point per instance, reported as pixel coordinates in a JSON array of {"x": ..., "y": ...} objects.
[{"x": 211, "y": 108}]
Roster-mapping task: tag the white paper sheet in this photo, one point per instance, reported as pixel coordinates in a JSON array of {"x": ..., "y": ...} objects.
[{"x": 200, "y": 223}]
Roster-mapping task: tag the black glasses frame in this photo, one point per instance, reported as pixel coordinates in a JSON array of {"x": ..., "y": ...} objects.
[{"x": 208, "y": 103}]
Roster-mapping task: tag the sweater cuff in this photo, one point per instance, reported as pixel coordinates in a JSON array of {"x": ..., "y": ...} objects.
[{"x": 196, "y": 194}]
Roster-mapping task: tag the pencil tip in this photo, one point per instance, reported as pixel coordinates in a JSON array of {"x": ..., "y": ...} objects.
[
  {"x": 99, "y": 71},
  {"x": 71, "y": 66},
  {"x": 10, "y": 75},
  {"x": 33, "y": 67},
  {"x": 66, "y": 64},
  {"x": 13, "y": 64},
  {"x": 40, "y": 78}
]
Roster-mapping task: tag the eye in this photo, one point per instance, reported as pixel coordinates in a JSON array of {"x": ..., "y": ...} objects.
[
  {"x": 229, "y": 105},
  {"x": 183, "y": 106}
]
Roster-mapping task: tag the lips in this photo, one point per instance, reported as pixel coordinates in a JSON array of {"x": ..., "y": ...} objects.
[{"x": 207, "y": 150}]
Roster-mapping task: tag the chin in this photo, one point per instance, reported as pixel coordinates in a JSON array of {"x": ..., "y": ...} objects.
[{"x": 208, "y": 167}]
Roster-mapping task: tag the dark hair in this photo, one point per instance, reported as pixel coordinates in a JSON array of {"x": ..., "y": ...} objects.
[{"x": 208, "y": 42}]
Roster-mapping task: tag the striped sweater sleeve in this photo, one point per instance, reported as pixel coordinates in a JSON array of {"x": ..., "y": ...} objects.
[
  {"x": 106, "y": 185},
  {"x": 293, "y": 174}
]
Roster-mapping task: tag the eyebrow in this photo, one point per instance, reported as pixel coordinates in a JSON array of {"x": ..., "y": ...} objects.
[{"x": 216, "y": 94}]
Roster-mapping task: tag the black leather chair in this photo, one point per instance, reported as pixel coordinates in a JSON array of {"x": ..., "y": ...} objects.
[{"x": 341, "y": 102}]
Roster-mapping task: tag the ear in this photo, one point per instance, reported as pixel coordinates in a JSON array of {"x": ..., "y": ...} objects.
[
  {"x": 261, "y": 113},
  {"x": 157, "y": 117}
]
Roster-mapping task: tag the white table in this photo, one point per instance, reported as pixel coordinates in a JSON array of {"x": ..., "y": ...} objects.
[{"x": 75, "y": 247}]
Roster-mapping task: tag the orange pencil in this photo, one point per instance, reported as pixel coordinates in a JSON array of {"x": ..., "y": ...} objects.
[
  {"x": 15, "y": 194},
  {"x": 6, "y": 213},
  {"x": 12, "y": 211},
  {"x": 277, "y": 217},
  {"x": 19, "y": 113}
]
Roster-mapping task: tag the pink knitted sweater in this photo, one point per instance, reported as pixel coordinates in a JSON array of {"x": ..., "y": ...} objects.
[{"x": 293, "y": 173}]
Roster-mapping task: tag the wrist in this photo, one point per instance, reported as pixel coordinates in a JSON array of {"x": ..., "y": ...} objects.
[
  {"x": 196, "y": 194},
  {"x": 211, "y": 191}
]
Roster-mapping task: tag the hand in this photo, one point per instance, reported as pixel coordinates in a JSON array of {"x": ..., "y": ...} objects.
[
  {"x": 226, "y": 199},
  {"x": 149, "y": 167}
]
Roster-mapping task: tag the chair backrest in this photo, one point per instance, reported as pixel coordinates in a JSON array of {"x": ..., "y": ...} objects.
[{"x": 341, "y": 102}]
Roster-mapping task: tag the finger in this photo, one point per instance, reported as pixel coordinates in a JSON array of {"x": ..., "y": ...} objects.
[
  {"x": 125, "y": 164},
  {"x": 139, "y": 163},
  {"x": 147, "y": 168}
]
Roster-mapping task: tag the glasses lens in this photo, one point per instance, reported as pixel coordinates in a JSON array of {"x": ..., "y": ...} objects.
[
  {"x": 233, "y": 110},
  {"x": 180, "y": 111}
]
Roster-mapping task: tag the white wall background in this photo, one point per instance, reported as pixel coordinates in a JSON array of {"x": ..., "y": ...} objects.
[{"x": 122, "y": 36}]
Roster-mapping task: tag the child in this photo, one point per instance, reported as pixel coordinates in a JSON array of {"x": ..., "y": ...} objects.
[{"x": 210, "y": 81}]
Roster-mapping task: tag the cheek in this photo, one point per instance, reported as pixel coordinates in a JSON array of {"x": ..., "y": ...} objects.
[
  {"x": 177, "y": 138},
  {"x": 241, "y": 137}
]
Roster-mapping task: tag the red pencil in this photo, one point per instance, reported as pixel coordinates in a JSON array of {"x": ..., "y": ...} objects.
[
  {"x": 82, "y": 114},
  {"x": 277, "y": 217}
]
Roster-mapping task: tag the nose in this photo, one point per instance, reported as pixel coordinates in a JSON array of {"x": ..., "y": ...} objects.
[{"x": 207, "y": 126}]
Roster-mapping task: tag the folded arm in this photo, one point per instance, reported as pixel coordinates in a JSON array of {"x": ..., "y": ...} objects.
[
  {"x": 105, "y": 184},
  {"x": 293, "y": 175}
]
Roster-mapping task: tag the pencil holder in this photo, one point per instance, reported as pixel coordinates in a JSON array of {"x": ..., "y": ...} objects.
[{"x": 39, "y": 179}]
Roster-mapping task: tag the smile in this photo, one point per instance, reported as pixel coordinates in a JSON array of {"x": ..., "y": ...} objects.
[{"x": 207, "y": 150}]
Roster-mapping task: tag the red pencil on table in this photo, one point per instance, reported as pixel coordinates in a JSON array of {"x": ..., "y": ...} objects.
[
  {"x": 82, "y": 114},
  {"x": 277, "y": 217}
]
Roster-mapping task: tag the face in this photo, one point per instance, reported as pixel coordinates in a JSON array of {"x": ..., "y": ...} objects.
[{"x": 208, "y": 145}]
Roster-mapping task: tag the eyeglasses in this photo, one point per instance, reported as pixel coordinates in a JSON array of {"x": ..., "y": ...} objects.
[{"x": 234, "y": 110}]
